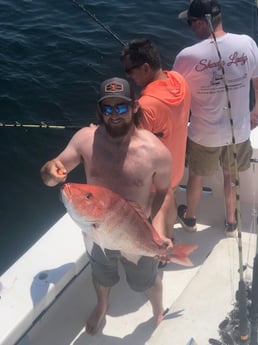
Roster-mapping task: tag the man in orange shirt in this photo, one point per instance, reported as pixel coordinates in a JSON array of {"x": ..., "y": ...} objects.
[{"x": 165, "y": 101}]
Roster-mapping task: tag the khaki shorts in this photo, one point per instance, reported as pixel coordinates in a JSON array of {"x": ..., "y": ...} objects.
[{"x": 203, "y": 160}]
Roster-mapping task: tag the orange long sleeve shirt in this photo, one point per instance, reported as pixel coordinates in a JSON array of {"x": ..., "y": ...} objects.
[{"x": 166, "y": 107}]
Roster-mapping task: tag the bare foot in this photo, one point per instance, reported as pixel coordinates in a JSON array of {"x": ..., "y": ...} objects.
[
  {"x": 94, "y": 321},
  {"x": 158, "y": 318}
]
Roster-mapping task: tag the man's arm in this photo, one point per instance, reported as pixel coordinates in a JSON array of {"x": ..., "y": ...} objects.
[
  {"x": 162, "y": 180},
  {"x": 55, "y": 171}
]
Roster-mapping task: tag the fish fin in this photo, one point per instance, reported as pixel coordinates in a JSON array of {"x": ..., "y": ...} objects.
[
  {"x": 180, "y": 252},
  {"x": 131, "y": 257},
  {"x": 184, "y": 261},
  {"x": 184, "y": 249},
  {"x": 137, "y": 208},
  {"x": 154, "y": 234}
]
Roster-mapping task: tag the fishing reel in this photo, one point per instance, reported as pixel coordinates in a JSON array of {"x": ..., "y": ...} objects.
[{"x": 229, "y": 330}]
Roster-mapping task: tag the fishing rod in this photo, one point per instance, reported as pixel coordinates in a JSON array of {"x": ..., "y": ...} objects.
[
  {"x": 38, "y": 125},
  {"x": 242, "y": 298},
  {"x": 254, "y": 287},
  {"x": 85, "y": 9},
  {"x": 254, "y": 292}
]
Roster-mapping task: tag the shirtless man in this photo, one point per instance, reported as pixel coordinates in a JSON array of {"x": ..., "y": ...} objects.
[{"x": 127, "y": 160}]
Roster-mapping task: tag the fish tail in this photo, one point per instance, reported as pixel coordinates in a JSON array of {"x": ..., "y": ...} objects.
[{"x": 180, "y": 252}]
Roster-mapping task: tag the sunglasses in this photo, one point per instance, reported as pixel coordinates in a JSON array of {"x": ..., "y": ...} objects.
[
  {"x": 119, "y": 109},
  {"x": 130, "y": 69}
]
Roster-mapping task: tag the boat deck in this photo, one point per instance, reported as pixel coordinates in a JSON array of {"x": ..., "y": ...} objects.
[{"x": 198, "y": 298}]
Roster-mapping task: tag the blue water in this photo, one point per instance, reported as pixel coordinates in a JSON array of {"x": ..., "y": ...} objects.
[{"x": 53, "y": 57}]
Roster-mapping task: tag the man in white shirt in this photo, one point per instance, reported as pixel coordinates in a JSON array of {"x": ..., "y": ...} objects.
[{"x": 218, "y": 70}]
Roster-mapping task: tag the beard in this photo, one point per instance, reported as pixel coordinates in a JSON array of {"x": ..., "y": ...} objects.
[{"x": 118, "y": 131}]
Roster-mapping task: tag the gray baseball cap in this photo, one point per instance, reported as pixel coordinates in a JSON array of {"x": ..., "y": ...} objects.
[{"x": 115, "y": 87}]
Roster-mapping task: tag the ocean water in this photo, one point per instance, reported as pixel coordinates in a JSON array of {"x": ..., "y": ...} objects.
[{"x": 53, "y": 58}]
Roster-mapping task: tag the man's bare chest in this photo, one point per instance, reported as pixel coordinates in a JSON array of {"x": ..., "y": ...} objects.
[{"x": 119, "y": 167}]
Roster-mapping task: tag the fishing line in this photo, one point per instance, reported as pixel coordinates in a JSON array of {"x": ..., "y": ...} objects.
[
  {"x": 243, "y": 321},
  {"x": 39, "y": 125},
  {"x": 85, "y": 9}
]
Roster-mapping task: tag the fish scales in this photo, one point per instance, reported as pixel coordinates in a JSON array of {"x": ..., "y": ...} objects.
[
  {"x": 117, "y": 224},
  {"x": 130, "y": 227}
]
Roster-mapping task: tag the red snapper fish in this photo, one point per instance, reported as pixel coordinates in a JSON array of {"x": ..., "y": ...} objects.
[{"x": 117, "y": 224}]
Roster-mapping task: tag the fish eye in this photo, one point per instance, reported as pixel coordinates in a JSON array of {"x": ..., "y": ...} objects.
[{"x": 89, "y": 195}]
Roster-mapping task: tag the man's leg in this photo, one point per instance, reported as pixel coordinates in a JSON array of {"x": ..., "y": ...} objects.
[
  {"x": 228, "y": 160},
  {"x": 230, "y": 196},
  {"x": 187, "y": 214},
  {"x": 193, "y": 194},
  {"x": 144, "y": 277},
  {"x": 99, "y": 312},
  {"x": 105, "y": 275},
  {"x": 201, "y": 161},
  {"x": 155, "y": 295}
]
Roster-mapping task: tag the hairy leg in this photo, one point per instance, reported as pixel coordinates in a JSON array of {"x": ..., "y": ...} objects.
[
  {"x": 155, "y": 294},
  {"x": 99, "y": 312}
]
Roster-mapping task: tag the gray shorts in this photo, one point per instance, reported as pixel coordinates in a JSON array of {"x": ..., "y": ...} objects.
[
  {"x": 203, "y": 160},
  {"x": 140, "y": 277}
]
